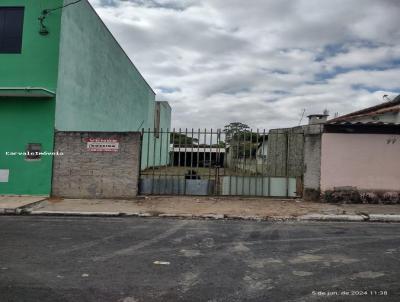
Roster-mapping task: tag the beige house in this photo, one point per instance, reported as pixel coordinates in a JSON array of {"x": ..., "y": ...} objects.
[{"x": 360, "y": 155}]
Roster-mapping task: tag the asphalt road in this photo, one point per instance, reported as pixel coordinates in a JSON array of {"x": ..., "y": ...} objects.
[{"x": 112, "y": 259}]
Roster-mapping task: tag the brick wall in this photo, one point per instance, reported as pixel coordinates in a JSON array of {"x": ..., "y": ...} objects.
[{"x": 79, "y": 173}]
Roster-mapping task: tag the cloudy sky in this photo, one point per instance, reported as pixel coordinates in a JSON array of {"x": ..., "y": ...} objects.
[{"x": 260, "y": 62}]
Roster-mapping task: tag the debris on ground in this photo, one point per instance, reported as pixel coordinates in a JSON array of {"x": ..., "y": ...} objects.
[{"x": 161, "y": 262}]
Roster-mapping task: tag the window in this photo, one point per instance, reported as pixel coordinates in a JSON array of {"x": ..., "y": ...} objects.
[
  {"x": 33, "y": 151},
  {"x": 11, "y": 24},
  {"x": 157, "y": 120}
]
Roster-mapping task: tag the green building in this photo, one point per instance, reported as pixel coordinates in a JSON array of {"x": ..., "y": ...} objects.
[{"x": 61, "y": 70}]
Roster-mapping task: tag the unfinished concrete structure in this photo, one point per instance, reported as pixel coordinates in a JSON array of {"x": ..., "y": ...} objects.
[{"x": 296, "y": 152}]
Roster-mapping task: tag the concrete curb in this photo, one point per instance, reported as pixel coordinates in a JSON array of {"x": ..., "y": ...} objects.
[
  {"x": 318, "y": 217},
  {"x": 176, "y": 215},
  {"x": 384, "y": 218},
  {"x": 309, "y": 217},
  {"x": 71, "y": 213},
  {"x": 8, "y": 211},
  {"x": 22, "y": 209},
  {"x": 355, "y": 218}
]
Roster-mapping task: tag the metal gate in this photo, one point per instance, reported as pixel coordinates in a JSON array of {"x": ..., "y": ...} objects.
[{"x": 209, "y": 162}]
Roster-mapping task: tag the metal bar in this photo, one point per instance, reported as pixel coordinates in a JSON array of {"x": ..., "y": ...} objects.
[
  {"x": 141, "y": 149},
  {"x": 218, "y": 151},
  {"x": 225, "y": 161},
  {"x": 198, "y": 149},
  {"x": 140, "y": 160},
  {"x": 160, "y": 160},
  {"x": 148, "y": 149},
  {"x": 154, "y": 160},
  {"x": 184, "y": 188},
  {"x": 179, "y": 157},
  {"x": 204, "y": 149},
  {"x": 217, "y": 155},
  {"x": 191, "y": 156},
  {"x": 166, "y": 164},
  {"x": 275, "y": 147},
  {"x": 204, "y": 158},
  {"x": 185, "y": 149},
  {"x": 287, "y": 163},
  {"x": 250, "y": 158},
  {"x": 256, "y": 163},
  {"x": 243, "y": 160},
  {"x": 179, "y": 148},
  {"x": 237, "y": 162},
  {"x": 171, "y": 163},
  {"x": 209, "y": 166},
  {"x": 262, "y": 165}
]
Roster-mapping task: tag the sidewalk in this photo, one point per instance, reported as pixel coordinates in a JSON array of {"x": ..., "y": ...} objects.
[
  {"x": 15, "y": 204},
  {"x": 218, "y": 207}
]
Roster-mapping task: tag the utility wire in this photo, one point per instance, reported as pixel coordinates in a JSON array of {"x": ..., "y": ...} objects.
[
  {"x": 302, "y": 115},
  {"x": 43, "y": 29},
  {"x": 47, "y": 11}
]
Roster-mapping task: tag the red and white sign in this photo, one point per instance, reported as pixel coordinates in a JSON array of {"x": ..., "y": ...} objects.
[{"x": 102, "y": 145}]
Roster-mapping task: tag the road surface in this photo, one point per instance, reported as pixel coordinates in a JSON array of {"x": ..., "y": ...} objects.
[{"x": 144, "y": 259}]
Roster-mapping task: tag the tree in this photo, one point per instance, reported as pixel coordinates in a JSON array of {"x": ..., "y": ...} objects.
[
  {"x": 181, "y": 139},
  {"x": 233, "y": 130},
  {"x": 242, "y": 141}
]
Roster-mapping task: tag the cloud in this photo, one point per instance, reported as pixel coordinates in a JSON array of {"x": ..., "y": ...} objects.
[
  {"x": 260, "y": 62},
  {"x": 356, "y": 57}
]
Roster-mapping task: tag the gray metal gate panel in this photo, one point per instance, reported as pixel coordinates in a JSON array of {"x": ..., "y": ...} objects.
[
  {"x": 175, "y": 186},
  {"x": 259, "y": 186}
]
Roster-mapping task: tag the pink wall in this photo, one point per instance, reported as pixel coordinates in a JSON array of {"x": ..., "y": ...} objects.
[{"x": 365, "y": 161}]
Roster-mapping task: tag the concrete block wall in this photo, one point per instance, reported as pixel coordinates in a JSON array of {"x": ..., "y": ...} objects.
[
  {"x": 312, "y": 167},
  {"x": 312, "y": 162},
  {"x": 80, "y": 173},
  {"x": 285, "y": 152},
  {"x": 297, "y": 152}
]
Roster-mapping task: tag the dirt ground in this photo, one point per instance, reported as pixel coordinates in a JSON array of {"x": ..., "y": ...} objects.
[
  {"x": 261, "y": 207},
  {"x": 205, "y": 173}
]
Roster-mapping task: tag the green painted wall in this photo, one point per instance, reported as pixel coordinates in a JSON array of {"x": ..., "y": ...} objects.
[
  {"x": 37, "y": 64},
  {"x": 165, "y": 124},
  {"x": 99, "y": 88},
  {"x": 155, "y": 151},
  {"x": 24, "y": 121}
]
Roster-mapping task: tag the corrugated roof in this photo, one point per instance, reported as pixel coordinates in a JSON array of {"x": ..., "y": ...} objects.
[
  {"x": 348, "y": 119},
  {"x": 370, "y": 123}
]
